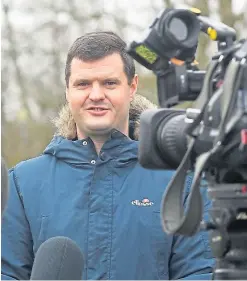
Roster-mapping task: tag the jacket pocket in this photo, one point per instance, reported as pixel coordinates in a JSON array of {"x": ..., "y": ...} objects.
[{"x": 161, "y": 247}]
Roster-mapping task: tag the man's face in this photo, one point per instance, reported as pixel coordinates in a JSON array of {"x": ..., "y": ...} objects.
[{"x": 99, "y": 95}]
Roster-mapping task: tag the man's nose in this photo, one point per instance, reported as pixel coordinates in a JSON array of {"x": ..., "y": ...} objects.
[{"x": 97, "y": 93}]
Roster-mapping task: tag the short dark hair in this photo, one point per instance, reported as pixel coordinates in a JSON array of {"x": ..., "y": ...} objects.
[{"x": 96, "y": 45}]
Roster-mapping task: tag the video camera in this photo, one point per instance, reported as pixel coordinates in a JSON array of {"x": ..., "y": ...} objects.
[{"x": 209, "y": 139}]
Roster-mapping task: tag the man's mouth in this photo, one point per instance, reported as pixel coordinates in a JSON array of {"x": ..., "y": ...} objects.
[
  {"x": 97, "y": 108},
  {"x": 99, "y": 111}
]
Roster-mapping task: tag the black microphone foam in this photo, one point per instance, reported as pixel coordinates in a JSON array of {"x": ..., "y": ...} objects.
[
  {"x": 4, "y": 185},
  {"x": 58, "y": 258}
]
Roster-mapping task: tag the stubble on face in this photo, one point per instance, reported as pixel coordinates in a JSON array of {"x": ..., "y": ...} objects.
[{"x": 99, "y": 96}]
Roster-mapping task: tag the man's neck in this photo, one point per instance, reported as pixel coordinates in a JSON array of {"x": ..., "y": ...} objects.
[{"x": 98, "y": 140}]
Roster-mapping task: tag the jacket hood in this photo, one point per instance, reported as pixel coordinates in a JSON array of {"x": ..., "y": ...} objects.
[{"x": 66, "y": 128}]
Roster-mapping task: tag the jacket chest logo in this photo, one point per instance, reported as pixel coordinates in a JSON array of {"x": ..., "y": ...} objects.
[{"x": 145, "y": 202}]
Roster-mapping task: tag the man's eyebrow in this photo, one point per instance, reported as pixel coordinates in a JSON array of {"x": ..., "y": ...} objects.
[
  {"x": 80, "y": 80},
  {"x": 85, "y": 80},
  {"x": 112, "y": 78}
]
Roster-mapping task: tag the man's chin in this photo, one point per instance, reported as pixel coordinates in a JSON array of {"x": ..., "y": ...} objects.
[{"x": 100, "y": 130}]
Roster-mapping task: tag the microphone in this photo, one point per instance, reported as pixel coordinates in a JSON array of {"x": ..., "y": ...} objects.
[
  {"x": 4, "y": 185},
  {"x": 58, "y": 258}
]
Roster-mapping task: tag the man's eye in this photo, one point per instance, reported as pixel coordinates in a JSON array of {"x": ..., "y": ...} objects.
[
  {"x": 83, "y": 84},
  {"x": 110, "y": 83}
]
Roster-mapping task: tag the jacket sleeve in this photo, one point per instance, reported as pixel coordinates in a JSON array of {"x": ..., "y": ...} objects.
[
  {"x": 191, "y": 257},
  {"x": 17, "y": 253}
]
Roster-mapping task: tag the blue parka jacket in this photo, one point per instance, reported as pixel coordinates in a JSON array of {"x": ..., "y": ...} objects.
[{"x": 108, "y": 204}]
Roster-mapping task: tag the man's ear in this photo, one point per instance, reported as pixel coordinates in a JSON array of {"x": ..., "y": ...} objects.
[{"x": 133, "y": 86}]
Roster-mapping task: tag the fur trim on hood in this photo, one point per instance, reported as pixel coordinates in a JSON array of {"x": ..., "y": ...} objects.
[{"x": 65, "y": 124}]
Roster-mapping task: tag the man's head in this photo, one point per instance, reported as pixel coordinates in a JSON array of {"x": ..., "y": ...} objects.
[{"x": 100, "y": 83}]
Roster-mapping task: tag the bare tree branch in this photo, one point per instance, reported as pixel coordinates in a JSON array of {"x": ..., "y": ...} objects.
[
  {"x": 204, "y": 41},
  {"x": 14, "y": 59},
  {"x": 227, "y": 16}
]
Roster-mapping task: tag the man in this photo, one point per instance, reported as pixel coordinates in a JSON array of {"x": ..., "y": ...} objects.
[{"x": 88, "y": 185}]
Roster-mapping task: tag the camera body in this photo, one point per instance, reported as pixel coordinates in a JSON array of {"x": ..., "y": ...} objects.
[
  {"x": 168, "y": 49},
  {"x": 209, "y": 139}
]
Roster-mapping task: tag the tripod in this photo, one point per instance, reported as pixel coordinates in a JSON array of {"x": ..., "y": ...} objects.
[{"x": 229, "y": 230}]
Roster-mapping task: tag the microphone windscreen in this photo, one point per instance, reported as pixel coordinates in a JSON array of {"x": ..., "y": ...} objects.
[{"x": 58, "y": 258}]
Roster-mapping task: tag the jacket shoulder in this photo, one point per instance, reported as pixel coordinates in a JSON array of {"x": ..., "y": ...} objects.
[
  {"x": 29, "y": 172},
  {"x": 31, "y": 164}
]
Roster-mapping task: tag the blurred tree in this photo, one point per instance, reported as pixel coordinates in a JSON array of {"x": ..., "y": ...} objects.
[
  {"x": 236, "y": 21},
  {"x": 202, "y": 54},
  {"x": 14, "y": 59}
]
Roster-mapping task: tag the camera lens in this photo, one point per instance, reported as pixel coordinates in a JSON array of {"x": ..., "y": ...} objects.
[{"x": 178, "y": 29}]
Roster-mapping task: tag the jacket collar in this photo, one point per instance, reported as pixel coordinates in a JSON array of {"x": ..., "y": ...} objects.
[{"x": 118, "y": 147}]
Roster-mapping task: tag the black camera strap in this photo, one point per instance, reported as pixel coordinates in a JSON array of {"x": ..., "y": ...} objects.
[
  {"x": 231, "y": 85},
  {"x": 172, "y": 208},
  {"x": 174, "y": 219},
  {"x": 207, "y": 87}
]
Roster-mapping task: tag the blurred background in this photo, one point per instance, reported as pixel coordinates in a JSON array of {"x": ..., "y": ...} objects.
[{"x": 36, "y": 36}]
